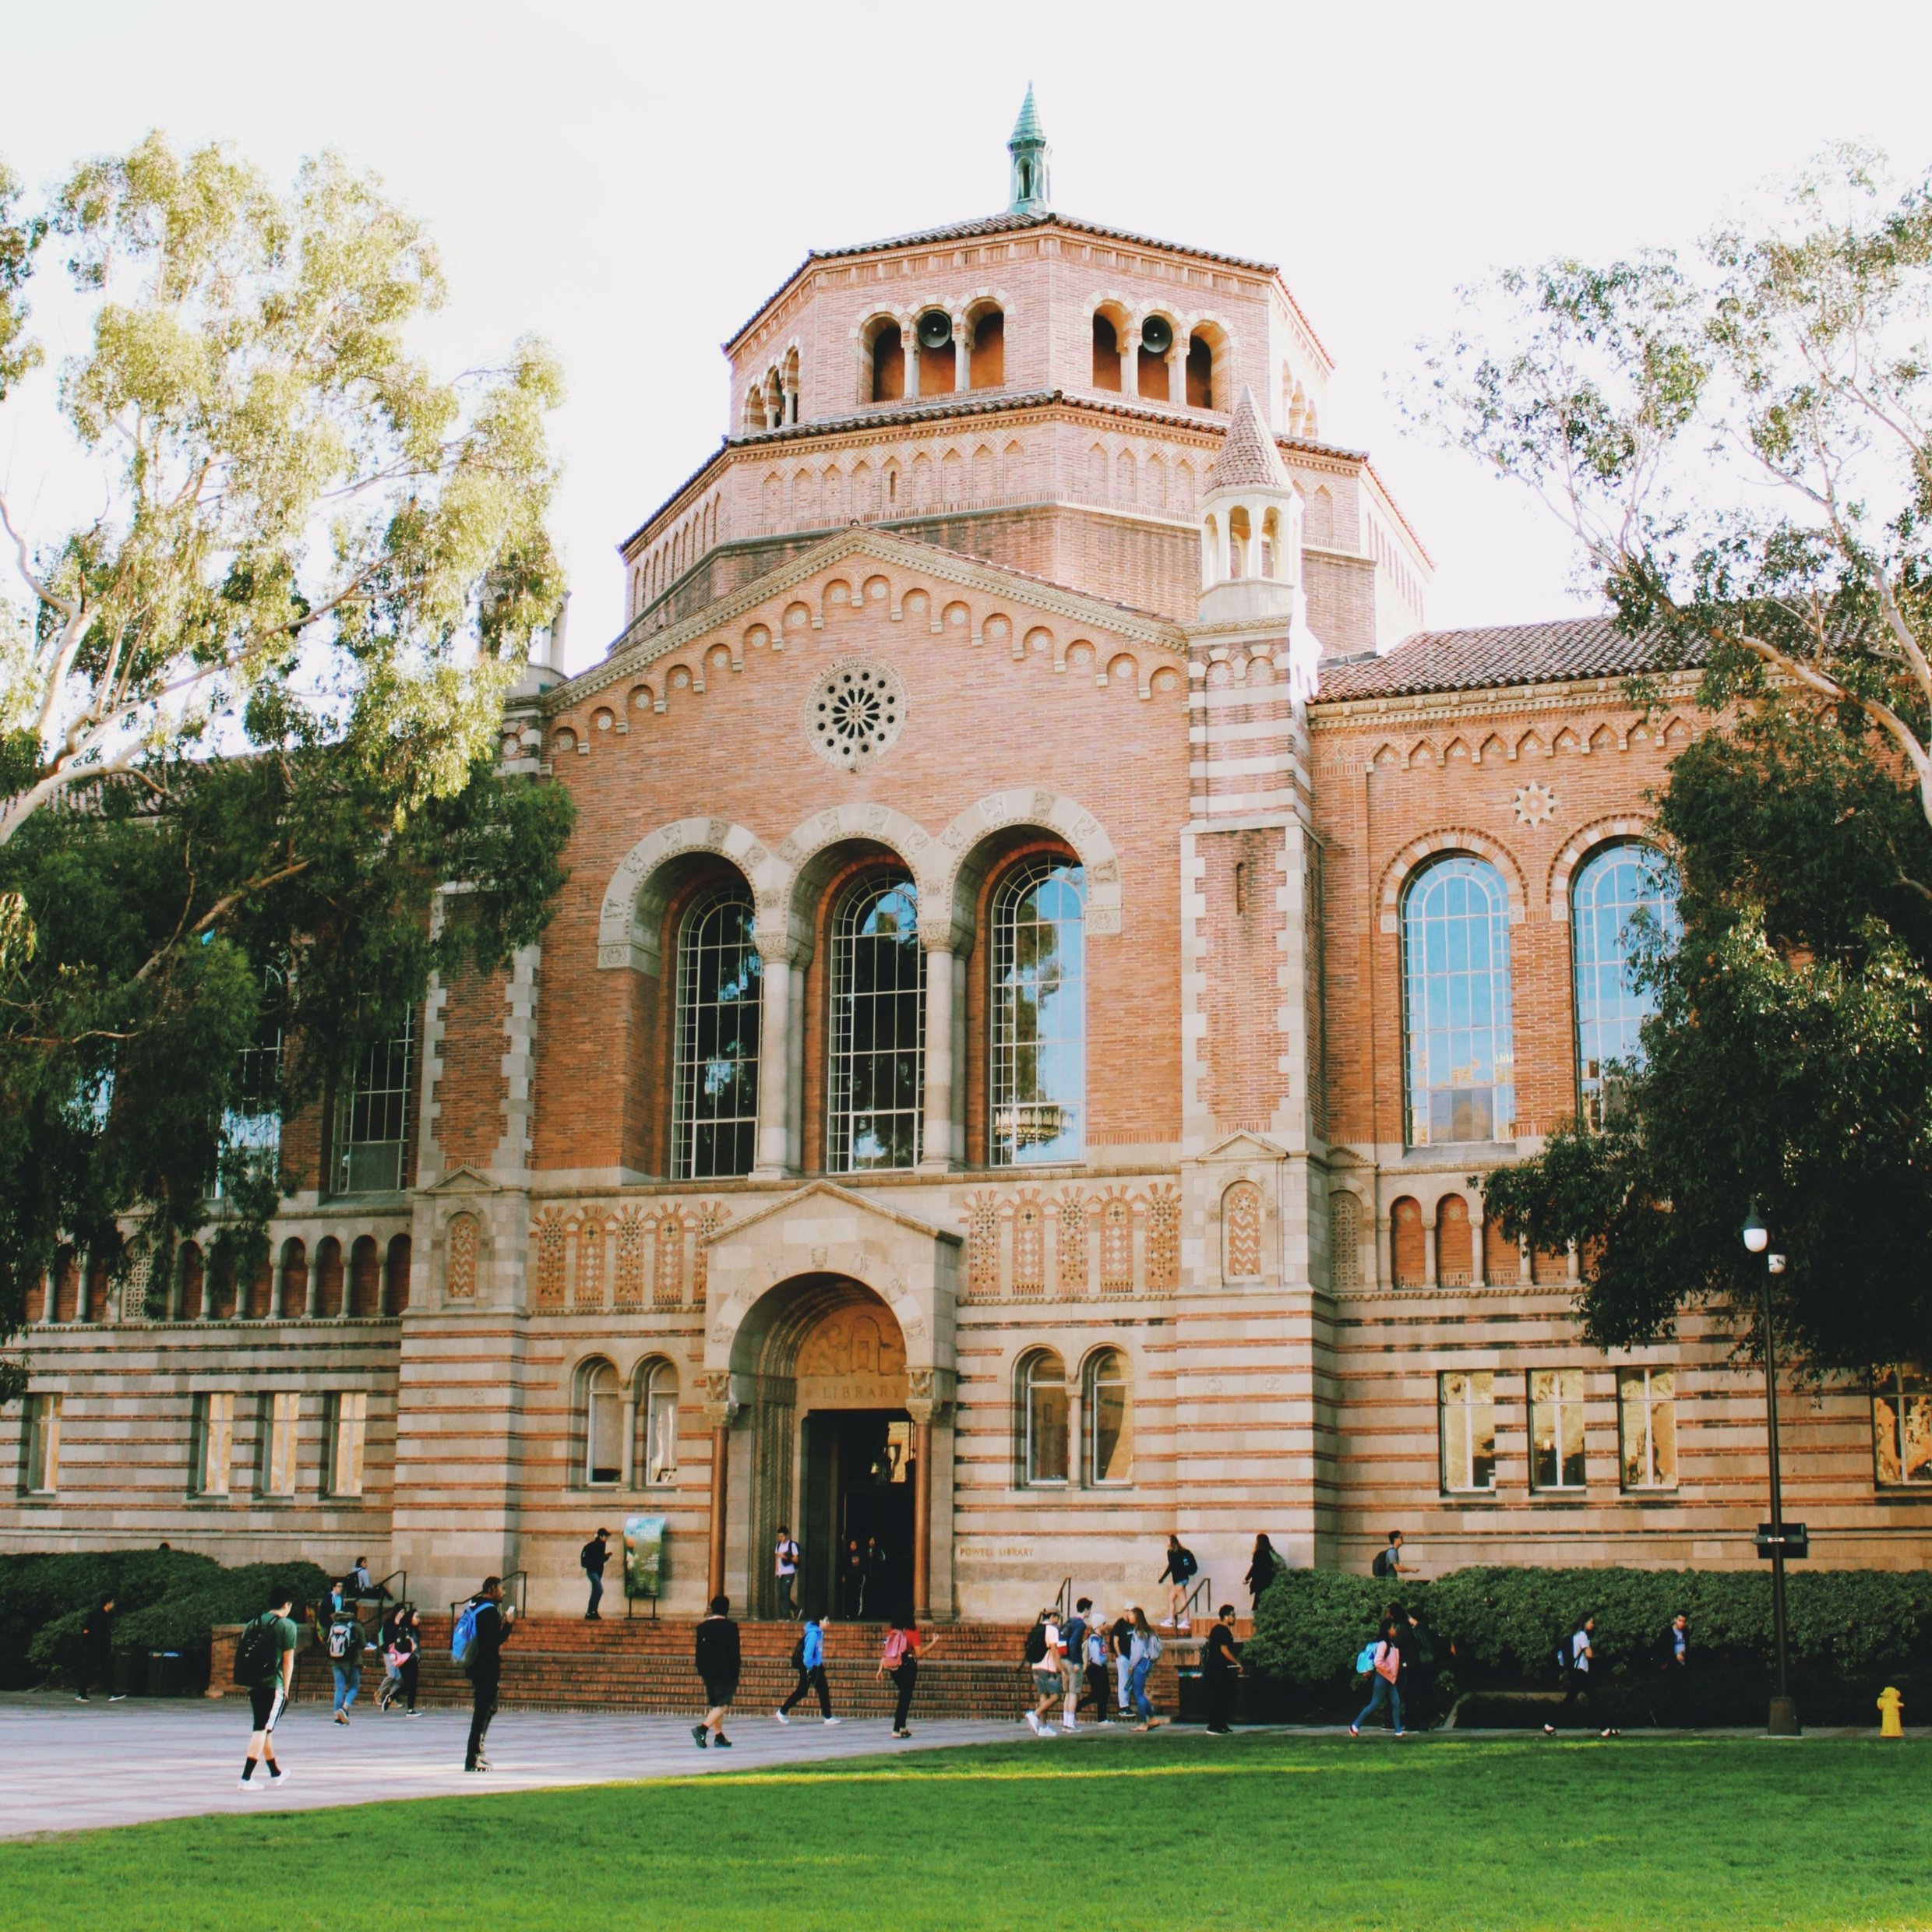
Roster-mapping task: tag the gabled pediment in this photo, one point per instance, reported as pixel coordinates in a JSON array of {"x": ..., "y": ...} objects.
[
  {"x": 813, "y": 1198},
  {"x": 1245, "y": 1147},
  {"x": 935, "y": 565},
  {"x": 463, "y": 1180}
]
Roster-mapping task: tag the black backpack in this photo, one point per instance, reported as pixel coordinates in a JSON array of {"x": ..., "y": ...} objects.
[
  {"x": 1566, "y": 1654},
  {"x": 798, "y": 1652},
  {"x": 257, "y": 1652},
  {"x": 1036, "y": 1645},
  {"x": 1384, "y": 1563}
]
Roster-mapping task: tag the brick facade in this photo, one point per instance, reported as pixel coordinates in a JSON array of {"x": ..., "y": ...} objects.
[{"x": 1250, "y": 766}]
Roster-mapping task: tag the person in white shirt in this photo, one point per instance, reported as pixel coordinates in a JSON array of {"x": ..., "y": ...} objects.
[
  {"x": 786, "y": 1557},
  {"x": 1045, "y": 1649},
  {"x": 1580, "y": 1681}
]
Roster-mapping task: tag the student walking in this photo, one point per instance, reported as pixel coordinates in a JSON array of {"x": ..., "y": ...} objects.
[
  {"x": 786, "y": 1555},
  {"x": 1099, "y": 1649},
  {"x": 593, "y": 1556},
  {"x": 1417, "y": 1643},
  {"x": 96, "y": 1653},
  {"x": 1220, "y": 1671},
  {"x": 1144, "y": 1654},
  {"x": 402, "y": 1643},
  {"x": 899, "y": 1661},
  {"x": 1264, "y": 1567},
  {"x": 1179, "y": 1572},
  {"x": 808, "y": 1659},
  {"x": 1072, "y": 1657},
  {"x": 1388, "y": 1561},
  {"x": 345, "y": 1642},
  {"x": 1121, "y": 1647},
  {"x": 1673, "y": 1659},
  {"x": 1044, "y": 1650},
  {"x": 265, "y": 1663},
  {"x": 1575, "y": 1658},
  {"x": 717, "y": 1659},
  {"x": 482, "y": 1631},
  {"x": 1385, "y": 1672}
]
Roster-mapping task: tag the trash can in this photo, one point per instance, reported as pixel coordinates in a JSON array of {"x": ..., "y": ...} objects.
[
  {"x": 130, "y": 1673},
  {"x": 165, "y": 1676}
]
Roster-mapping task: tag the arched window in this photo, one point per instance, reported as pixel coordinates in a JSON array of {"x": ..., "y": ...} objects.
[
  {"x": 877, "y": 1087},
  {"x": 1201, "y": 373},
  {"x": 600, "y": 1420},
  {"x": 1106, "y": 354},
  {"x": 986, "y": 367},
  {"x": 1624, "y": 898},
  {"x": 1460, "y": 1054},
  {"x": 1108, "y": 1404},
  {"x": 657, "y": 1422},
  {"x": 887, "y": 362},
  {"x": 1043, "y": 1419},
  {"x": 1039, "y": 1013},
  {"x": 714, "y": 1084}
]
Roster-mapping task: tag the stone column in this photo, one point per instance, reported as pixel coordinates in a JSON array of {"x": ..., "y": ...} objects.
[
  {"x": 1177, "y": 372},
  {"x": 1129, "y": 361},
  {"x": 1479, "y": 1242},
  {"x": 945, "y": 972},
  {"x": 909, "y": 337},
  {"x": 962, "y": 356},
  {"x": 629, "y": 1481},
  {"x": 779, "y": 1016},
  {"x": 312, "y": 1284},
  {"x": 1523, "y": 1272},
  {"x": 922, "y": 1514},
  {"x": 719, "y": 1410},
  {"x": 1428, "y": 1251}
]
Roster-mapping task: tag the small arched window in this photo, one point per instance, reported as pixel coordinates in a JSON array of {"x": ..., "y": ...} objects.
[
  {"x": 887, "y": 361},
  {"x": 714, "y": 1084},
  {"x": 877, "y": 1056},
  {"x": 1201, "y": 373},
  {"x": 601, "y": 1423},
  {"x": 657, "y": 1422},
  {"x": 1624, "y": 902},
  {"x": 1043, "y": 1416},
  {"x": 1109, "y": 1418},
  {"x": 1106, "y": 354},
  {"x": 986, "y": 363},
  {"x": 1460, "y": 1052},
  {"x": 1039, "y": 1013}
]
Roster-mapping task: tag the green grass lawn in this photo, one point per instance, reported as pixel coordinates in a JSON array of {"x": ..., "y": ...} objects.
[{"x": 1175, "y": 1831}]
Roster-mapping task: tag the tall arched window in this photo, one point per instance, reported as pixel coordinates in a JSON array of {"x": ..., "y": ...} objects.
[
  {"x": 877, "y": 1087},
  {"x": 1624, "y": 897},
  {"x": 657, "y": 1422},
  {"x": 1039, "y": 1060},
  {"x": 601, "y": 1412},
  {"x": 1108, "y": 1404},
  {"x": 714, "y": 1086},
  {"x": 1044, "y": 1417},
  {"x": 1456, "y": 1004}
]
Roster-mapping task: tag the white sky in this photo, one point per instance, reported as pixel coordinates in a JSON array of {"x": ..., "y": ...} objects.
[{"x": 631, "y": 182}]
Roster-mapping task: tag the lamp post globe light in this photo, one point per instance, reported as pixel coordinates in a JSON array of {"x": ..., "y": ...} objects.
[{"x": 1783, "y": 1720}]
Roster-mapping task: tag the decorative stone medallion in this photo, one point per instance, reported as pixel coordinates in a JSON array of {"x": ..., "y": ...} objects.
[
  {"x": 854, "y": 712},
  {"x": 1535, "y": 803}
]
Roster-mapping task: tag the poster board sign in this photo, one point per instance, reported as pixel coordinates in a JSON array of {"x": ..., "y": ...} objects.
[{"x": 643, "y": 1557}]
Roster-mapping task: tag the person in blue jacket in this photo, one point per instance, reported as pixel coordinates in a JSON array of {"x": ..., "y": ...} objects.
[{"x": 808, "y": 1658}]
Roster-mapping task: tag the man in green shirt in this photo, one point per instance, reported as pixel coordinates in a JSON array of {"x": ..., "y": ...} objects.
[{"x": 265, "y": 1661}]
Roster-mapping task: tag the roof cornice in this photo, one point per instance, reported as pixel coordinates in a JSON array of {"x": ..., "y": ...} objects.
[{"x": 948, "y": 566}]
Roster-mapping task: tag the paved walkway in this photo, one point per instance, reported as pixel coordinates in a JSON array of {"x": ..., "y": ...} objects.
[{"x": 65, "y": 1766}]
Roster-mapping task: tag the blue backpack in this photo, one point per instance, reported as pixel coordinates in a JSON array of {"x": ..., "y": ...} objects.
[
  {"x": 462, "y": 1638},
  {"x": 1364, "y": 1660}
]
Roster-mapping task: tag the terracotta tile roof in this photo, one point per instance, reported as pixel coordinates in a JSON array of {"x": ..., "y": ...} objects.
[
  {"x": 1249, "y": 459},
  {"x": 1500, "y": 655}
]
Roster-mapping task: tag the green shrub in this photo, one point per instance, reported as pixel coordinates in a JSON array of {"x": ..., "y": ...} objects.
[
  {"x": 165, "y": 1599},
  {"x": 1505, "y": 1623}
]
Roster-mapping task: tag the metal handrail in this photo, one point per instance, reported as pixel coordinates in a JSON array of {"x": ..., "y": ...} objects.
[
  {"x": 1064, "y": 1600},
  {"x": 519, "y": 1580},
  {"x": 383, "y": 1593},
  {"x": 1205, "y": 1587}
]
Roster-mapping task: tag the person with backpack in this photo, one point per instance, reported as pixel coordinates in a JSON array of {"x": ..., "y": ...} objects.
[
  {"x": 476, "y": 1643},
  {"x": 786, "y": 1559},
  {"x": 1043, "y": 1652},
  {"x": 1388, "y": 1563},
  {"x": 808, "y": 1659},
  {"x": 899, "y": 1659},
  {"x": 1073, "y": 1659},
  {"x": 1099, "y": 1649},
  {"x": 1575, "y": 1654},
  {"x": 264, "y": 1666},
  {"x": 1121, "y": 1647},
  {"x": 400, "y": 1643},
  {"x": 1417, "y": 1642},
  {"x": 96, "y": 1653},
  {"x": 345, "y": 1640},
  {"x": 1220, "y": 1670},
  {"x": 1145, "y": 1653},
  {"x": 1178, "y": 1574},
  {"x": 592, "y": 1558},
  {"x": 717, "y": 1657},
  {"x": 1385, "y": 1668}
]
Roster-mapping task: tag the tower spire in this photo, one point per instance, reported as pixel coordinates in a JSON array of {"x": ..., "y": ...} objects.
[{"x": 1032, "y": 193}]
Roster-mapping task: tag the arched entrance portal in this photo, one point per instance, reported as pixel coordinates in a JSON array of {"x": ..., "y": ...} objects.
[{"x": 833, "y": 1446}]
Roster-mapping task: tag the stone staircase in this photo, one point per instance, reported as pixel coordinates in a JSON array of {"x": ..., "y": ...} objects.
[{"x": 564, "y": 1664}]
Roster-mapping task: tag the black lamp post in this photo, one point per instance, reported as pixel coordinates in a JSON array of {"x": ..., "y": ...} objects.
[{"x": 1783, "y": 1720}]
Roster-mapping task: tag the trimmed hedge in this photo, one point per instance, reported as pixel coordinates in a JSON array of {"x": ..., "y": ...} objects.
[
  {"x": 166, "y": 1600},
  {"x": 1504, "y": 1623}
]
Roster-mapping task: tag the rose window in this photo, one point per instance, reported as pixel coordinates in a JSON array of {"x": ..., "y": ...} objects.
[{"x": 854, "y": 712}]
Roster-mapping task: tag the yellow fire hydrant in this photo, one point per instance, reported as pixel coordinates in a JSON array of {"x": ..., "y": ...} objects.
[{"x": 1890, "y": 1704}]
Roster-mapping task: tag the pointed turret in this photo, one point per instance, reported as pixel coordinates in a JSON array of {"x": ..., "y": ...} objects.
[
  {"x": 1249, "y": 460},
  {"x": 1032, "y": 192}
]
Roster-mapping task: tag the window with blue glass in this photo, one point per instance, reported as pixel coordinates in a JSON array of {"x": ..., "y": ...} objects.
[
  {"x": 1624, "y": 901},
  {"x": 1039, "y": 1013},
  {"x": 877, "y": 1056},
  {"x": 1459, "y": 1050},
  {"x": 714, "y": 1086}
]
